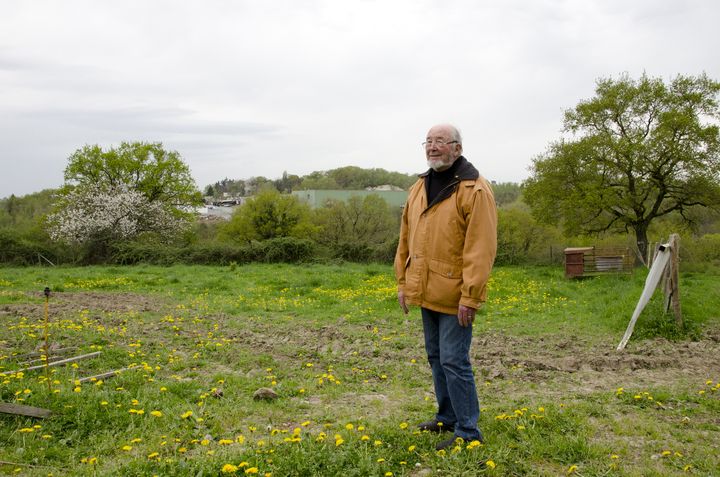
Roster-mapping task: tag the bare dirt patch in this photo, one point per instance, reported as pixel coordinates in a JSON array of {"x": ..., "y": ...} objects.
[
  {"x": 576, "y": 364},
  {"x": 67, "y": 303}
]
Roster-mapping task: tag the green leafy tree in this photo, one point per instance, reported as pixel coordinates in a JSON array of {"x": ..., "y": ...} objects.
[
  {"x": 639, "y": 150},
  {"x": 147, "y": 168},
  {"x": 367, "y": 221},
  {"x": 506, "y": 193},
  {"x": 269, "y": 215},
  {"x": 119, "y": 194}
]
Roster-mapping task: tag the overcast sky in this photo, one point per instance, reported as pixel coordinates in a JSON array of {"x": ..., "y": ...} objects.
[{"x": 255, "y": 88}]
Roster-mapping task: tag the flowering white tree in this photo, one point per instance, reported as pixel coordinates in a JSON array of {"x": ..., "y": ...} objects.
[{"x": 110, "y": 213}]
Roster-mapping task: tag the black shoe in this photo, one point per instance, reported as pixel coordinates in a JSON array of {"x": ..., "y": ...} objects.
[
  {"x": 454, "y": 440},
  {"x": 436, "y": 426}
]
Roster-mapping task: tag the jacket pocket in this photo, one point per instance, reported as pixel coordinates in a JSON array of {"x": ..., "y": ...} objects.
[
  {"x": 413, "y": 278},
  {"x": 444, "y": 283}
]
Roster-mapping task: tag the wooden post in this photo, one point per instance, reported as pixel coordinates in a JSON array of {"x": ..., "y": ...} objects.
[{"x": 675, "y": 279}]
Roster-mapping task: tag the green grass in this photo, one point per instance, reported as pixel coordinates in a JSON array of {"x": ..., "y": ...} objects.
[{"x": 350, "y": 374}]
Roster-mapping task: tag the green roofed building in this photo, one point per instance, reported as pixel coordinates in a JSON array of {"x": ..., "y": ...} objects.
[{"x": 316, "y": 197}]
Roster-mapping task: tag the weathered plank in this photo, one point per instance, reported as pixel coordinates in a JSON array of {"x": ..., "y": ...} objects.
[{"x": 19, "y": 409}]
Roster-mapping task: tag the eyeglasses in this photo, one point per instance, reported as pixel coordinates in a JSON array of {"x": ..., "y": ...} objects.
[{"x": 437, "y": 142}]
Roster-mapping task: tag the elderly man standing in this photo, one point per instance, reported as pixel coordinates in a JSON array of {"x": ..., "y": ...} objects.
[{"x": 448, "y": 240}]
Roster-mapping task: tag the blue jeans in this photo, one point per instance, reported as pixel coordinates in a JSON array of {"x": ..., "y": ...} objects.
[{"x": 448, "y": 350}]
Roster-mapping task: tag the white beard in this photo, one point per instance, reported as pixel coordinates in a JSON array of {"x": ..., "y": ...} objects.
[{"x": 437, "y": 164}]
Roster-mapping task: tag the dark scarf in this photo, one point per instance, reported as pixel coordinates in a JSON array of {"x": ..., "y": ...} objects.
[{"x": 440, "y": 185}]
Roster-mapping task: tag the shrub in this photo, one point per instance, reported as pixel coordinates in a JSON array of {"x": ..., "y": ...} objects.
[{"x": 284, "y": 249}]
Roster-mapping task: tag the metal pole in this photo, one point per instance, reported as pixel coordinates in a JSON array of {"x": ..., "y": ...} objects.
[{"x": 47, "y": 334}]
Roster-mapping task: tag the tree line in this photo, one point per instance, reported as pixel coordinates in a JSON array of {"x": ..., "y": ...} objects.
[{"x": 637, "y": 161}]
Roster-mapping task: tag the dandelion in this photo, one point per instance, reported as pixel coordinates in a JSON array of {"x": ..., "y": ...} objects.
[
  {"x": 187, "y": 414},
  {"x": 388, "y": 474},
  {"x": 153, "y": 455},
  {"x": 229, "y": 469},
  {"x": 403, "y": 425},
  {"x": 240, "y": 439},
  {"x": 225, "y": 442},
  {"x": 26, "y": 430},
  {"x": 474, "y": 444},
  {"x": 349, "y": 427},
  {"x": 411, "y": 448},
  {"x": 365, "y": 438},
  {"x": 380, "y": 460},
  {"x": 377, "y": 443},
  {"x": 156, "y": 413},
  {"x": 572, "y": 469},
  {"x": 251, "y": 470},
  {"x": 127, "y": 448},
  {"x": 665, "y": 453}
]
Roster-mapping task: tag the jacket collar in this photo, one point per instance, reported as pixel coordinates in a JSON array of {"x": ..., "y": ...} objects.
[{"x": 464, "y": 171}]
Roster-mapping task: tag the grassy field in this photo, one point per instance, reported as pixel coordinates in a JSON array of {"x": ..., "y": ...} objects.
[{"x": 350, "y": 375}]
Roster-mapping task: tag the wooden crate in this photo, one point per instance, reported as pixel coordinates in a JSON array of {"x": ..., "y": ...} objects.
[{"x": 589, "y": 261}]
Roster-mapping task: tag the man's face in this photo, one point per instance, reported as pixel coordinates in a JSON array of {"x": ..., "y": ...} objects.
[{"x": 441, "y": 150}]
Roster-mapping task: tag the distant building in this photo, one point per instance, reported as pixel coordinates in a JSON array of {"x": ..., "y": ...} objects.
[{"x": 317, "y": 198}]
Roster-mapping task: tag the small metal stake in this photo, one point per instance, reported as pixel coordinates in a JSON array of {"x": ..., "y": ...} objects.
[{"x": 47, "y": 333}]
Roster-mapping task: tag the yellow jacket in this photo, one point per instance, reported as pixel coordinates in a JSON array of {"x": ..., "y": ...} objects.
[{"x": 446, "y": 251}]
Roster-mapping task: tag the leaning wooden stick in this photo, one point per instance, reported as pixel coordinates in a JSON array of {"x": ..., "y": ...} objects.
[
  {"x": 58, "y": 363},
  {"x": 109, "y": 374}
]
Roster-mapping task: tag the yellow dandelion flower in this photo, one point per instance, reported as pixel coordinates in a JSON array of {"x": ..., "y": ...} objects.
[
  {"x": 665, "y": 453},
  {"x": 26, "y": 430},
  {"x": 365, "y": 438},
  {"x": 156, "y": 413},
  {"x": 572, "y": 469},
  {"x": 225, "y": 442},
  {"x": 135, "y": 440},
  {"x": 240, "y": 439},
  {"x": 377, "y": 443},
  {"x": 349, "y": 427},
  {"x": 187, "y": 414},
  {"x": 403, "y": 425},
  {"x": 380, "y": 460},
  {"x": 229, "y": 469},
  {"x": 127, "y": 448},
  {"x": 411, "y": 448},
  {"x": 153, "y": 455},
  {"x": 251, "y": 470},
  {"x": 490, "y": 464}
]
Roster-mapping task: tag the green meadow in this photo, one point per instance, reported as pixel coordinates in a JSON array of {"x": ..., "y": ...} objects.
[{"x": 312, "y": 370}]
